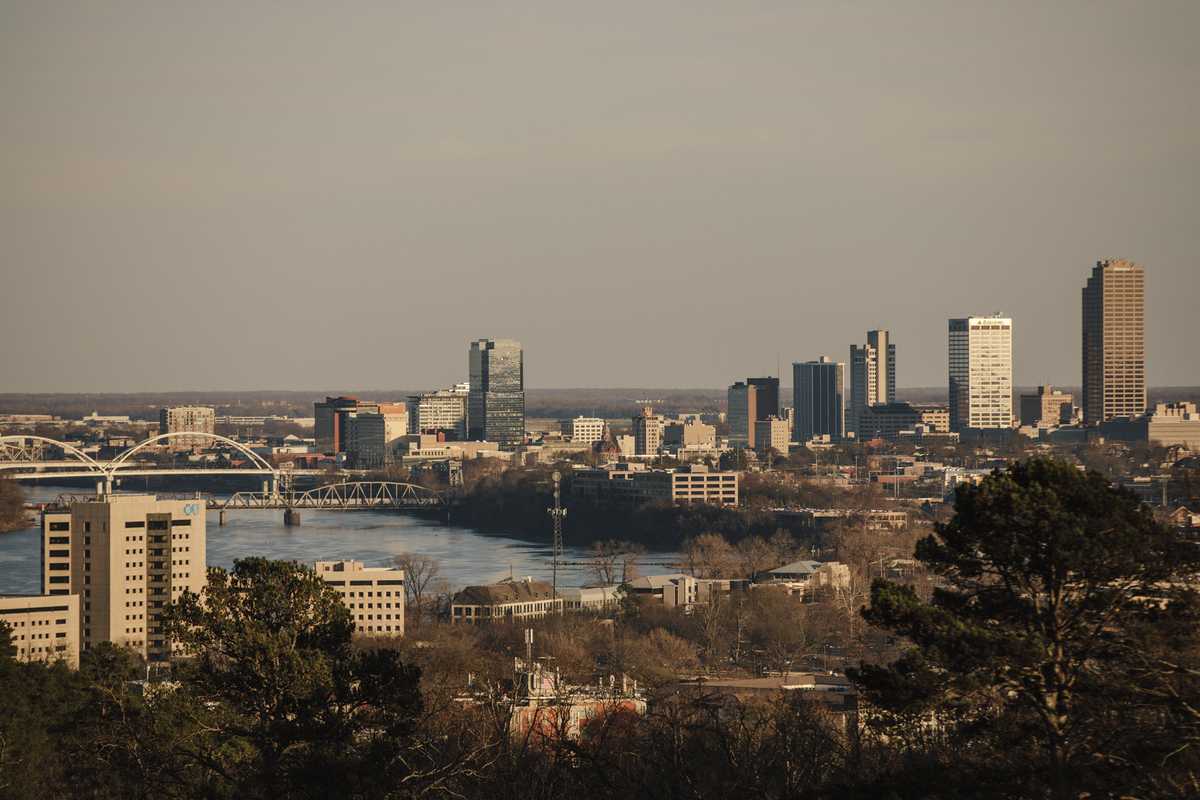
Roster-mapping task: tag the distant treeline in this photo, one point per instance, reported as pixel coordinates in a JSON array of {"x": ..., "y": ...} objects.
[{"x": 516, "y": 502}]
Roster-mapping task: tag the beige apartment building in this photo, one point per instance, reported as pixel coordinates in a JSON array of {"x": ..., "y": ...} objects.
[
  {"x": 374, "y": 595},
  {"x": 126, "y": 556},
  {"x": 186, "y": 419},
  {"x": 43, "y": 628},
  {"x": 1114, "y": 343}
]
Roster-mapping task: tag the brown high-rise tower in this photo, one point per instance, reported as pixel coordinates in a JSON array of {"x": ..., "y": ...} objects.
[{"x": 1114, "y": 343}]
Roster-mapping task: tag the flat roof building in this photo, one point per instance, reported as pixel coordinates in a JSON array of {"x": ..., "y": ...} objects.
[
  {"x": 188, "y": 419},
  {"x": 872, "y": 374},
  {"x": 441, "y": 412},
  {"x": 330, "y": 423},
  {"x": 981, "y": 368},
  {"x": 126, "y": 556},
  {"x": 374, "y": 595},
  {"x": 496, "y": 399},
  {"x": 820, "y": 399},
  {"x": 742, "y": 412},
  {"x": 1047, "y": 408},
  {"x": 770, "y": 434},
  {"x": 1114, "y": 342},
  {"x": 584, "y": 430},
  {"x": 1174, "y": 424},
  {"x": 375, "y": 436},
  {"x": 633, "y": 484},
  {"x": 43, "y": 628},
  {"x": 886, "y": 421}
]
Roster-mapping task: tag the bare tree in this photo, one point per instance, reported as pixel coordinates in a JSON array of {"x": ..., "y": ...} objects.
[
  {"x": 419, "y": 574},
  {"x": 614, "y": 561},
  {"x": 12, "y": 506},
  {"x": 756, "y": 555},
  {"x": 710, "y": 556}
]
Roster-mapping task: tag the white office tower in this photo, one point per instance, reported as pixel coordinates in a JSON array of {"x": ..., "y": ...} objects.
[{"x": 981, "y": 388}]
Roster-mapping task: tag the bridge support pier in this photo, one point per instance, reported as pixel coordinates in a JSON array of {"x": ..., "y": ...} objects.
[
  {"x": 291, "y": 517},
  {"x": 220, "y": 519}
]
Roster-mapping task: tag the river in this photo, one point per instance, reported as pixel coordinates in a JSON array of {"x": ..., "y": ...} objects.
[{"x": 467, "y": 556}]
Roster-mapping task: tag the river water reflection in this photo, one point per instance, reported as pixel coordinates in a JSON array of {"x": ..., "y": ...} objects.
[{"x": 374, "y": 537}]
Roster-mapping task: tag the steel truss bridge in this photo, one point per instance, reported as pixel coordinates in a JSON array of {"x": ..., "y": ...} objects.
[{"x": 355, "y": 496}]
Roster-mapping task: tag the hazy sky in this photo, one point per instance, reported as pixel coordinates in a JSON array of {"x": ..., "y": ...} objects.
[{"x": 341, "y": 195}]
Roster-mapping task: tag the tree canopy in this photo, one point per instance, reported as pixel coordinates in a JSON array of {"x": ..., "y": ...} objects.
[{"x": 1048, "y": 578}]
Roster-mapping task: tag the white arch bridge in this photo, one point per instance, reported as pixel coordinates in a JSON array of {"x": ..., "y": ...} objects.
[{"x": 24, "y": 457}]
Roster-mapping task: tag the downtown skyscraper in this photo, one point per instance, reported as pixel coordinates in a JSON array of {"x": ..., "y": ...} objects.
[
  {"x": 1114, "y": 343},
  {"x": 496, "y": 399},
  {"x": 820, "y": 399},
  {"x": 872, "y": 375},
  {"x": 981, "y": 368}
]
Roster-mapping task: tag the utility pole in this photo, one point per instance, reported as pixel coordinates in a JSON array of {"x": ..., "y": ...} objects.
[{"x": 557, "y": 513}]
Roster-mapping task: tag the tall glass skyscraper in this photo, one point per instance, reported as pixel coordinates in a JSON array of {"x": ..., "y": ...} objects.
[
  {"x": 496, "y": 401},
  {"x": 820, "y": 399}
]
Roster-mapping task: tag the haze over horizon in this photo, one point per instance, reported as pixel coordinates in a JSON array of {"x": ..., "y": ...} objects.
[{"x": 218, "y": 197}]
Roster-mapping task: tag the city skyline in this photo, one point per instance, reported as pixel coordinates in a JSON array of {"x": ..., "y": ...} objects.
[{"x": 191, "y": 163}]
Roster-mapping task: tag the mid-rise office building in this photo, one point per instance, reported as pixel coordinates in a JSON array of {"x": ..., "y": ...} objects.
[
  {"x": 374, "y": 595},
  {"x": 772, "y": 433},
  {"x": 647, "y": 432},
  {"x": 981, "y": 390},
  {"x": 584, "y": 430},
  {"x": 443, "y": 412},
  {"x": 1114, "y": 346},
  {"x": 1046, "y": 408},
  {"x": 766, "y": 400},
  {"x": 188, "y": 419},
  {"x": 934, "y": 417},
  {"x": 496, "y": 403},
  {"x": 331, "y": 423},
  {"x": 43, "y": 628},
  {"x": 375, "y": 436},
  {"x": 742, "y": 413},
  {"x": 872, "y": 374},
  {"x": 820, "y": 399},
  {"x": 748, "y": 403},
  {"x": 126, "y": 556},
  {"x": 887, "y": 421}
]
